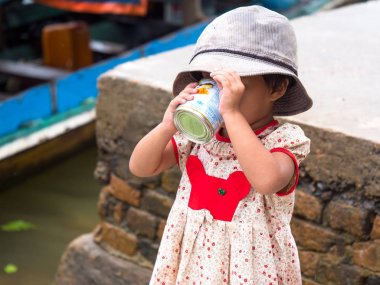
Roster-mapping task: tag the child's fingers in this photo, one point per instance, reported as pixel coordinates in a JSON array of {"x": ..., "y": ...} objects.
[
  {"x": 190, "y": 86},
  {"x": 229, "y": 78},
  {"x": 181, "y": 99},
  {"x": 222, "y": 80},
  {"x": 185, "y": 95},
  {"x": 230, "y": 74},
  {"x": 188, "y": 90}
]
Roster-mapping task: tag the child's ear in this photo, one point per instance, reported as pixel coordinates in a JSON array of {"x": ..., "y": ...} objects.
[{"x": 280, "y": 91}]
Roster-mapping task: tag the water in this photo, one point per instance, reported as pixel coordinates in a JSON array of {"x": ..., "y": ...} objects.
[{"x": 61, "y": 202}]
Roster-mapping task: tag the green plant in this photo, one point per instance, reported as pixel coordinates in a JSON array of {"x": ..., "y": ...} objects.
[
  {"x": 15, "y": 226},
  {"x": 10, "y": 268}
]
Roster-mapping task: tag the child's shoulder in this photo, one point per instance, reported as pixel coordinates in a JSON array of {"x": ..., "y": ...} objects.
[
  {"x": 288, "y": 136},
  {"x": 288, "y": 129}
]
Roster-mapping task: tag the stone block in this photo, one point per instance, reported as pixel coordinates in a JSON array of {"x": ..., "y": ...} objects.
[
  {"x": 170, "y": 179},
  {"x": 142, "y": 223},
  {"x": 151, "y": 182},
  {"x": 307, "y": 206},
  {"x": 156, "y": 203},
  {"x": 123, "y": 118},
  {"x": 373, "y": 280},
  {"x": 372, "y": 191},
  {"x": 119, "y": 213},
  {"x": 102, "y": 172},
  {"x": 375, "y": 233},
  {"x": 116, "y": 238},
  {"x": 330, "y": 163},
  {"x": 121, "y": 168},
  {"x": 123, "y": 191},
  {"x": 148, "y": 249},
  {"x": 314, "y": 237},
  {"x": 349, "y": 274},
  {"x": 367, "y": 254},
  {"x": 342, "y": 216},
  {"x": 306, "y": 281},
  {"x": 160, "y": 229},
  {"x": 111, "y": 209},
  {"x": 85, "y": 262},
  {"x": 101, "y": 204},
  {"x": 327, "y": 271},
  {"x": 309, "y": 262}
]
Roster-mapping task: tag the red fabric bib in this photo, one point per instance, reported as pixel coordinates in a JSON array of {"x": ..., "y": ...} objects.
[{"x": 220, "y": 196}]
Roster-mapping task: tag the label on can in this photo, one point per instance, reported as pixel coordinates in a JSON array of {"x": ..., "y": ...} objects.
[{"x": 199, "y": 119}]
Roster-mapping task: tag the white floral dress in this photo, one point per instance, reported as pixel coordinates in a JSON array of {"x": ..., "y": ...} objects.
[{"x": 220, "y": 230}]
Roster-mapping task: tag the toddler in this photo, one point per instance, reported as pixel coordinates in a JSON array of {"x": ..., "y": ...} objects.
[{"x": 229, "y": 223}]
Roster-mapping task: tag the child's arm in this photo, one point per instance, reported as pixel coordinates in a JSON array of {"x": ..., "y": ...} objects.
[
  {"x": 267, "y": 172},
  {"x": 154, "y": 153}
]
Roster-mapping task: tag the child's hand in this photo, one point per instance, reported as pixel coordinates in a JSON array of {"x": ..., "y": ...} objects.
[
  {"x": 231, "y": 90},
  {"x": 183, "y": 97}
]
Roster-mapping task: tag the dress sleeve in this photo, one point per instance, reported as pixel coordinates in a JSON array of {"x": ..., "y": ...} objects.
[
  {"x": 182, "y": 148},
  {"x": 291, "y": 140}
]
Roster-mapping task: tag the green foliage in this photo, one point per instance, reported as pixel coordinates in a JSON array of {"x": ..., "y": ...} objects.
[
  {"x": 10, "y": 268},
  {"x": 16, "y": 226}
]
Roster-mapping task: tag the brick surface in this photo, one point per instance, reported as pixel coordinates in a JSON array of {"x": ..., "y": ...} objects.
[
  {"x": 118, "y": 213},
  {"x": 116, "y": 238},
  {"x": 342, "y": 216},
  {"x": 110, "y": 208},
  {"x": 142, "y": 223},
  {"x": 327, "y": 271},
  {"x": 123, "y": 191},
  {"x": 156, "y": 203},
  {"x": 372, "y": 191},
  {"x": 309, "y": 262},
  {"x": 148, "y": 249},
  {"x": 307, "y": 206},
  {"x": 170, "y": 179},
  {"x": 101, "y": 205},
  {"x": 306, "y": 281},
  {"x": 367, "y": 254},
  {"x": 160, "y": 229},
  {"x": 313, "y": 237},
  {"x": 348, "y": 274},
  {"x": 375, "y": 233},
  {"x": 373, "y": 280}
]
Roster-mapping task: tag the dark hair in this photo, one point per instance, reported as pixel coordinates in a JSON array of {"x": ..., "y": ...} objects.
[
  {"x": 274, "y": 81},
  {"x": 196, "y": 75}
]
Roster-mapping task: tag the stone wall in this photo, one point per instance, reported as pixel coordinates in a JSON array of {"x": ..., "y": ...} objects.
[
  {"x": 336, "y": 217},
  {"x": 336, "y": 221}
]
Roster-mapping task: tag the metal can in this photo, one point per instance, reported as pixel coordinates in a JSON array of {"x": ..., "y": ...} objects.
[{"x": 199, "y": 119}]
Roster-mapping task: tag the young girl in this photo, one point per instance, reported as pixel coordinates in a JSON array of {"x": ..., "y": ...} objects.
[{"x": 229, "y": 223}]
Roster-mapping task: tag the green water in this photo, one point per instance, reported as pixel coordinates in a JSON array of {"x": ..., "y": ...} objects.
[{"x": 61, "y": 202}]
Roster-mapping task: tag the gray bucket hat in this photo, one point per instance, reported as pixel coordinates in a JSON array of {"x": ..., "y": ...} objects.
[{"x": 252, "y": 40}]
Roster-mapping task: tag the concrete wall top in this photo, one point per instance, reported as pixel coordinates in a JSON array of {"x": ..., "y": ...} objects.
[{"x": 339, "y": 64}]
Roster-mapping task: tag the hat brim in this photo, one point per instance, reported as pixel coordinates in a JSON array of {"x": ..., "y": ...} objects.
[{"x": 295, "y": 100}]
